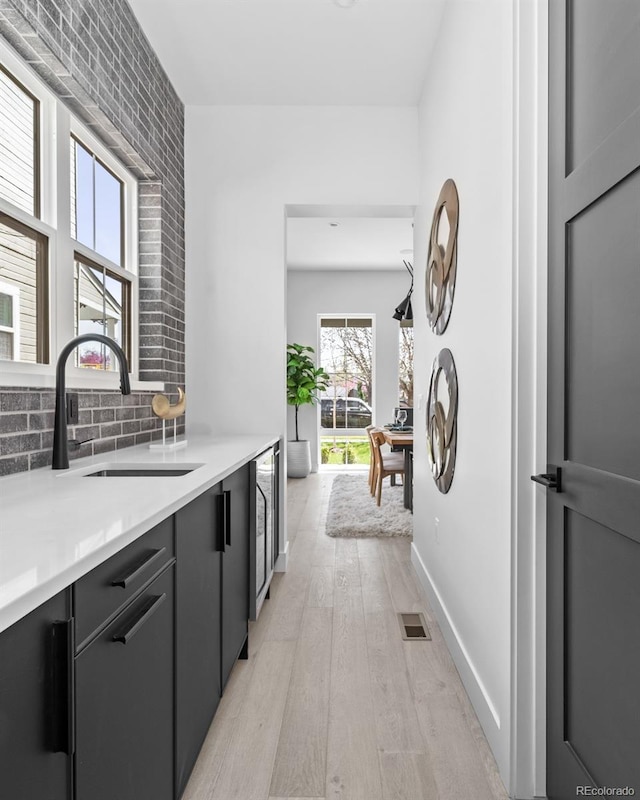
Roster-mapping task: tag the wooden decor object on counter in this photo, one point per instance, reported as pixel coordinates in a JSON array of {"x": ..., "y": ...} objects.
[
  {"x": 162, "y": 408},
  {"x": 442, "y": 261}
]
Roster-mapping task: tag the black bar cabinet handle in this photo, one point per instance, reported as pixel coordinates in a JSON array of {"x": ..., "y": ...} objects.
[
  {"x": 138, "y": 568},
  {"x": 220, "y": 522},
  {"x": 147, "y": 610},
  {"x": 63, "y": 739},
  {"x": 227, "y": 516}
]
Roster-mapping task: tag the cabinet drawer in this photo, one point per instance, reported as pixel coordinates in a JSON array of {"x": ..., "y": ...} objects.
[
  {"x": 108, "y": 587},
  {"x": 124, "y": 702}
]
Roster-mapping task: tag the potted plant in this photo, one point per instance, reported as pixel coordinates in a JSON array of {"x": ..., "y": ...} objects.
[{"x": 304, "y": 381}]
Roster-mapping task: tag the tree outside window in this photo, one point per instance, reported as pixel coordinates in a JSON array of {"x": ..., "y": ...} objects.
[{"x": 405, "y": 371}]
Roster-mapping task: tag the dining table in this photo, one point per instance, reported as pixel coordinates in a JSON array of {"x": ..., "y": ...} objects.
[{"x": 403, "y": 440}]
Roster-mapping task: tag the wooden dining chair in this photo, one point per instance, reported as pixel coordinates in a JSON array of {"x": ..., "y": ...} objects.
[
  {"x": 369, "y": 429},
  {"x": 390, "y": 464}
]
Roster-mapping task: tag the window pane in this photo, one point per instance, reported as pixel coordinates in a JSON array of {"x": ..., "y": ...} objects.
[
  {"x": 114, "y": 303},
  {"x": 82, "y": 226},
  {"x": 344, "y": 450},
  {"x": 96, "y": 204},
  {"x": 18, "y": 119},
  {"x": 405, "y": 367},
  {"x": 6, "y": 310},
  {"x": 23, "y": 268},
  {"x": 100, "y": 307},
  {"x": 6, "y": 346},
  {"x": 346, "y": 353},
  {"x": 108, "y": 222}
]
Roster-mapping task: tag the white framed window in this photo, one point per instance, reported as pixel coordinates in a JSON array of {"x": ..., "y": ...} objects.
[{"x": 68, "y": 236}]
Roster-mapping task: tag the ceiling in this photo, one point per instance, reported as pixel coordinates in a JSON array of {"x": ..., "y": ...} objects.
[
  {"x": 304, "y": 52},
  {"x": 293, "y": 52},
  {"x": 349, "y": 242}
]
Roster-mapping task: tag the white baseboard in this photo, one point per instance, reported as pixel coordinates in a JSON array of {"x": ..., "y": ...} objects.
[
  {"x": 484, "y": 707},
  {"x": 281, "y": 561}
]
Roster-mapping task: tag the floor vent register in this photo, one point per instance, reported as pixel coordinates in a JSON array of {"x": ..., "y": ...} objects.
[{"x": 413, "y": 627}]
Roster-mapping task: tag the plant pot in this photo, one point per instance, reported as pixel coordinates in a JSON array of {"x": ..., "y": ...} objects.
[{"x": 298, "y": 459}]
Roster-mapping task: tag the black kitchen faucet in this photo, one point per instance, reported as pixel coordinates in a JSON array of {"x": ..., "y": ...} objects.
[{"x": 60, "y": 444}]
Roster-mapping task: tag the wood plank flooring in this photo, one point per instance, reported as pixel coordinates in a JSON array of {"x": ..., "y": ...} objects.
[{"x": 332, "y": 704}]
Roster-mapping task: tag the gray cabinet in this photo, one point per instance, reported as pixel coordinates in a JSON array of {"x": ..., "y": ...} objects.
[
  {"x": 198, "y": 633},
  {"x": 124, "y": 702},
  {"x": 35, "y": 730},
  {"x": 124, "y": 673},
  {"x": 212, "y": 608}
]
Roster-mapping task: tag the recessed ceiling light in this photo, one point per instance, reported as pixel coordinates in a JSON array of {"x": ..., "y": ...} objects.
[{"x": 345, "y": 3}]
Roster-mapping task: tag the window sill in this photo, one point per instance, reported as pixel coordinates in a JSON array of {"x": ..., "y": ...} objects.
[{"x": 43, "y": 376}]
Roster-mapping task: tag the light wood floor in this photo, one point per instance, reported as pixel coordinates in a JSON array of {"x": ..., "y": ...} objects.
[{"x": 332, "y": 703}]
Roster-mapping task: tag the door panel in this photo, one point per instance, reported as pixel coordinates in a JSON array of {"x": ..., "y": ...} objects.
[
  {"x": 602, "y": 607},
  {"x": 604, "y": 49},
  {"x": 603, "y": 331},
  {"x": 593, "y": 555}
]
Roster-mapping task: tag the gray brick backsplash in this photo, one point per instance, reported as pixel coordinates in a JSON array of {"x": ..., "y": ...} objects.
[
  {"x": 41, "y": 421},
  {"x": 12, "y": 464},
  {"x": 104, "y": 446},
  {"x": 19, "y": 401},
  {"x": 103, "y": 419},
  {"x": 94, "y": 55},
  {"x": 41, "y": 459},
  {"x": 19, "y": 443},
  {"x": 84, "y": 432},
  {"x": 13, "y": 423},
  {"x": 131, "y": 426},
  {"x": 103, "y": 415},
  {"x": 109, "y": 400}
]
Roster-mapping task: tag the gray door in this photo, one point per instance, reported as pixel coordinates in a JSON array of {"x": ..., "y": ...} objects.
[{"x": 593, "y": 524}]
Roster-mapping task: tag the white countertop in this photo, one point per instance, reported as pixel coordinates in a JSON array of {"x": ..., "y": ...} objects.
[{"x": 56, "y": 525}]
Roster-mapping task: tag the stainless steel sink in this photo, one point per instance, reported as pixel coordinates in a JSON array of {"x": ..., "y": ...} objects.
[
  {"x": 140, "y": 469},
  {"x": 148, "y": 472}
]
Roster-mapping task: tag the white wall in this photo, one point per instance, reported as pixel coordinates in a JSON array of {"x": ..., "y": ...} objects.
[
  {"x": 466, "y": 129},
  {"x": 243, "y": 166},
  {"x": 374, "y": 292}
]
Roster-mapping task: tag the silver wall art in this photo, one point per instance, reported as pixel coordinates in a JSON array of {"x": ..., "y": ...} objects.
[
  {"x": 442, "y": 422},
  {"x": 442, "y": 259}
]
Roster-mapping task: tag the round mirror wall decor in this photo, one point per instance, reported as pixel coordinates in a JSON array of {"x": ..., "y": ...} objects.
[
  {"x": 442, "y": 422},
  {"x": 442, "y": 259}
]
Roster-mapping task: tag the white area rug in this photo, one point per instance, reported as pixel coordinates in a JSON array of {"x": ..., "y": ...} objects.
[{"x": 354, "y": 513}]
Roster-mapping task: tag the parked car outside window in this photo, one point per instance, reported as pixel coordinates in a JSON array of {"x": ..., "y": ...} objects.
[{"x": 350, "y": 412}]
